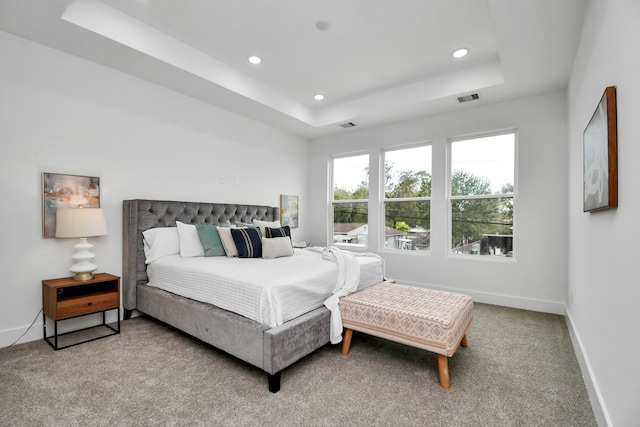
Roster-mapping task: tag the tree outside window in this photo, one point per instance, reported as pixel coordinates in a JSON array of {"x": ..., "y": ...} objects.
[
  {"x": 482, "y": 195},
  {"x": 407, "y": 199}
]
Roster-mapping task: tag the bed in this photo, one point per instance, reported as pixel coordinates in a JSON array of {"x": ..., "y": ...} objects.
[{"x": 270, "y": 345}]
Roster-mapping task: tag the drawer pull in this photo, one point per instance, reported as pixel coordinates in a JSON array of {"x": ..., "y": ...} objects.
[{"x": 90, "y": 304}]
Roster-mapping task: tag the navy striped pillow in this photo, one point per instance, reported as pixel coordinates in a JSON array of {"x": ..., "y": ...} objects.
[
  {"x": 278, "y": 232},
  {"x": 248, "y": 242}
]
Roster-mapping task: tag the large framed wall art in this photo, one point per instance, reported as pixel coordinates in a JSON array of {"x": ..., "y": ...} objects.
[
  {"x": 289, "y": 210},
  {"x": 66, "y": 191},
  {"x": 600, "y": 156}
]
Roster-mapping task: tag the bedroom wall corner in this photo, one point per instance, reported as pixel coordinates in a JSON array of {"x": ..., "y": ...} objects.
[
  {"x": 541, "y": 210},
  {"x": 603, "y": 289},
  {"x": 62, "y": 114}
]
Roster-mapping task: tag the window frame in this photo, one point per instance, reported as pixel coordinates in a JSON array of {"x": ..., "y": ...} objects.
[
  {"x": 384, "y": 200},
  {"x": 332, "y": 201},
  {"x": 450, "y": 198}
]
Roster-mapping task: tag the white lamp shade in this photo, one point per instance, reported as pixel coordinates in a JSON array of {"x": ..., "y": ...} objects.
[{"x": 80, "y": 222}]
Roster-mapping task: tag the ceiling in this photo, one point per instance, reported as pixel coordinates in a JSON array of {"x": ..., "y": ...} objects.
[{"x": 375, "y": 62}]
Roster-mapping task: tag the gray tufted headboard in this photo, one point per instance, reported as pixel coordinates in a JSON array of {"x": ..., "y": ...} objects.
[{"x": 141, "y": 215}]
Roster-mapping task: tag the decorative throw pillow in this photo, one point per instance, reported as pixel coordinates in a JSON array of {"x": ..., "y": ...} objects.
[
  {"x": 278, "y": 232},
  {"x": 210, "y": 239},
  {"x": 190, "y": 245},
  {"x": 227, "y": 240},
  {"x": 248, "y": 242},
  {"x": 160, "y": 242},
  {"x": 264, "y": 224},
  {"x": 276, "y": 247},
  {"x": 244, "y": 225}
]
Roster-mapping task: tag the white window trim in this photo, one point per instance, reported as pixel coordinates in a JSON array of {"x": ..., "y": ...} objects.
[
  {"x": 331, "y": 202},
  {"x": 384, "y": 199},
  {"x": 482, "y": 196},
  {"x": 449, "y": 197}
]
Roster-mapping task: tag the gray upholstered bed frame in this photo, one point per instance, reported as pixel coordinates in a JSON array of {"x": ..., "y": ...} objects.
[{"x": 270, "y": 349}]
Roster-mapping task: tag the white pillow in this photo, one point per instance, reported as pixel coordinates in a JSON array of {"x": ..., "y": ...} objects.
[
  {"x": 160, "y": 242},
  {"x": 263, "y": 224},
  {"x": 276, "y": 247},
  {"x": 190, "y": 244},
  {"x": 227, "y": 240}
]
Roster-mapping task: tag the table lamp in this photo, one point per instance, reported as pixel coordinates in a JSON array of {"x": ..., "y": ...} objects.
[{"x": 82, "y": 223}]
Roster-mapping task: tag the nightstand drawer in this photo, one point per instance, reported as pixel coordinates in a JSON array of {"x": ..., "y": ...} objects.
[{"x": 87, "y": 304}]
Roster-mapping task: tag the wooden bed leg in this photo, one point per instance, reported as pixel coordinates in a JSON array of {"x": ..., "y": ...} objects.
[
  {"x": 346, "y": 341},
  {"x": 274, "y": 382},
  {"x": 443, "y": 371},
  {"x": 463, "y": 341},
  {"x": 127, "y": 314}
]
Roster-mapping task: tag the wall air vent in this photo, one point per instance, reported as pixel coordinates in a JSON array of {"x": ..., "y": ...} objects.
[
  {"x": 347, "y": 125},
  {"x": 468, "y": 98}
]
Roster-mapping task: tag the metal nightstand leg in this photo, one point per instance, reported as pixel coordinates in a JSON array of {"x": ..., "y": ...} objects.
[{"x": 55, "y": 336}]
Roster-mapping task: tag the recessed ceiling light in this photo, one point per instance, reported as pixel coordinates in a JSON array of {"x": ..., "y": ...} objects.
[
  {"x": 459, "y": 53},
  {"x": 255, "y": 59},
  {"x": 318, "y": 97}
]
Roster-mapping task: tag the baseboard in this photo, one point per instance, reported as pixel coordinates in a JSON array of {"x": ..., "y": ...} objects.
[
  {"x": 15, "y": 336},
  {"x": 599, "y": 410},
  {"x": 544, "y": 306},
  {"x": 35, "y": 331}
]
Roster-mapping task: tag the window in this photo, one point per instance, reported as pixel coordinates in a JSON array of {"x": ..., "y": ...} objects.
[
  {"x": 351, "y": 200},
  {"x": 482, "y": 172},
  {"x": 407, "y": 199}
]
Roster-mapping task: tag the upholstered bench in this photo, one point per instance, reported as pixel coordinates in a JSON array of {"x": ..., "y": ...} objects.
[{"x": 432, "y": 320}]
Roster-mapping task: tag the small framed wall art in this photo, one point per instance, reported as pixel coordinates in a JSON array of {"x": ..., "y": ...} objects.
[
  {"x": 66, "y": 191},
  {"x": 600, "y": 156},
  {"x": 289, "y": 211}
]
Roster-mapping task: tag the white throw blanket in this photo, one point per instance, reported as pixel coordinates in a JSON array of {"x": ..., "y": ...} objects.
[{"x": 347, "y": 283}]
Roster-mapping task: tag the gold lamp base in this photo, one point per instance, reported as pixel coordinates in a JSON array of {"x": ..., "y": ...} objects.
[{"x": 83, "y": 276}]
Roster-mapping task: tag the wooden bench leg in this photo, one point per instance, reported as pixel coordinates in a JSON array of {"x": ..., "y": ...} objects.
[
  {"x": 463, "y": 341},
  {"x": 443, "y": 371},
  {"x": 346, "y": 341}
]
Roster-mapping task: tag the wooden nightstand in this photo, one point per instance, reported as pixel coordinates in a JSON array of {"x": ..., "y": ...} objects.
[{"x": 67, "y": 298}]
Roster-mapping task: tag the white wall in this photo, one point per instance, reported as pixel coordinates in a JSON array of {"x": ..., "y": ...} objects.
[
  {"x": 603, "y": 246},
  {"x": 62, "y": 114},
  {"x": 537, "y": 278}
]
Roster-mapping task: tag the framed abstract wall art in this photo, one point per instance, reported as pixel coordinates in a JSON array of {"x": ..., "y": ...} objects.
[
  {"x": 289, "y": 211},
  {"x": 66, "y": 191},
  {"x": 600, "y": 156}
]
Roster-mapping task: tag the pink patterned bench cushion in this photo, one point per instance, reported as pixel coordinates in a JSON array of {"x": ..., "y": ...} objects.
[{"x": 424, "y": 318}]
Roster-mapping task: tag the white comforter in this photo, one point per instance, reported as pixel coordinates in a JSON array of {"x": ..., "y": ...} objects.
[{"x": 269, "y": 291}]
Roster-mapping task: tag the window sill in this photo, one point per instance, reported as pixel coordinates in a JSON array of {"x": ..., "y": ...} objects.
[{"x": 486, "y": 258}]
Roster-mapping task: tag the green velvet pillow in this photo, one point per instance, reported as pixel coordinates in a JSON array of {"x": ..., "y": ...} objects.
[
  {"x": 244, "y": 224},
  {"x": 210, "y": 238}
]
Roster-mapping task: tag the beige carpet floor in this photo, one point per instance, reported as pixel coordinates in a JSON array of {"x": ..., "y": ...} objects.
[{"x": 519, "y": 370}]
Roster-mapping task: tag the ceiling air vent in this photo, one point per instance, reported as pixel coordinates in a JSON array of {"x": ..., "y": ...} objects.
[
  {"x": 347, "y": 125},
  {"x": 468, "y": 98}
]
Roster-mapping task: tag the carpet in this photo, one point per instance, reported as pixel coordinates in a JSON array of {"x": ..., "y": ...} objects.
[{"x": 520, "y": 369}]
